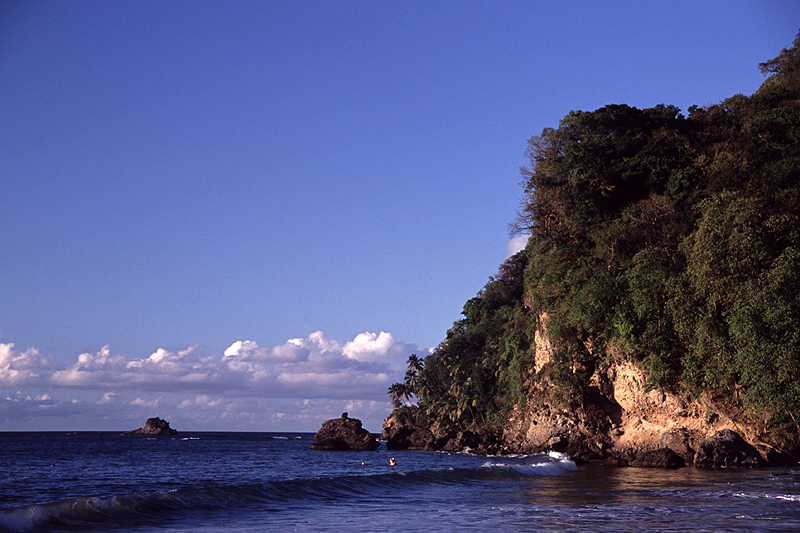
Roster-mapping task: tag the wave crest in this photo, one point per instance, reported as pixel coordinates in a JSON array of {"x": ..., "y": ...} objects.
[{"x": 145, "y": 508}]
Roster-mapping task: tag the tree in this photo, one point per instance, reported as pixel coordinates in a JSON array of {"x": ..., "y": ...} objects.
[
  {"x": 675, "y": 239},
  {"x": 783, "y": 72},
  {"x": 404, "y": 394},
  {"x": 411, "y": 381},
  {"x": 398, "y": 393}
]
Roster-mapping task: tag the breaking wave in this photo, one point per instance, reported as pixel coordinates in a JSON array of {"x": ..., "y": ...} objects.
[{"x": 94, "y": 512}]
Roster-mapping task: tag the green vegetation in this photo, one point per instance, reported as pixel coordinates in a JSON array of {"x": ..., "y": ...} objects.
[{"x": 674, "y": 238}]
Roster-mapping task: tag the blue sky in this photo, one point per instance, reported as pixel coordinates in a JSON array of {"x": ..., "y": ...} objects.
[{"x": 246, "y": 215}]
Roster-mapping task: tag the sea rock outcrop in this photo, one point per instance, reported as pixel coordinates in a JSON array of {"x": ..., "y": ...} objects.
[
  {"x": 344, "y": 433},
  {"x": 727, "y": 449},
  {"x": 623, "y": 422},
  {"x": 658, "y": 458},
  {"x": 682, "y": 441},
  {"x": 406, "y": 436},
  {"x": 619, "y": 422},
  {"x": 480, "y": 442},
  {"x": 153, "y": 426}
]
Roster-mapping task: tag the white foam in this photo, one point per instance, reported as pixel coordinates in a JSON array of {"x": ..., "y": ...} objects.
[
  {"x": 539, "y": 469},
  {"x": 552, "y": 464},
  {"x": 564, "y": 460}
]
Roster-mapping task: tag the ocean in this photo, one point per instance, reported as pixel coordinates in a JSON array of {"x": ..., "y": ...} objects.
[{"x": 265, "y": 482}]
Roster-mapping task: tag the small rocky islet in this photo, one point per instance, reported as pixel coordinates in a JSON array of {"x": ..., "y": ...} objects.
[
  {"x": 153, "y": 426},
  {"x": 344, "y": 434}
]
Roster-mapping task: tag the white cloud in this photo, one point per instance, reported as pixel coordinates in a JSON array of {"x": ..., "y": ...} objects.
[
  {"x": 372, "y": 347},
  {"x": 141, "y": 402},
  {"x": 106, "y": 398},
  {"x": 240, "y": 349},
  {"x": 202, "y": 402},
  {"x": 319, "y": 367},
  {"x": 293, "y": 350},
  {"x": 163, "y": 370},
  {"x": 186, "y": 383},
  {"x": 22, "y": 368},
  {"x": 516, "y": 244}
]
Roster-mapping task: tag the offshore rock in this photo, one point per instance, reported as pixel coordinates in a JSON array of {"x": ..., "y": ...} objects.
[
  {"x": 727, "y": 449},
  {"x": 153, "y": 426},
  {"x": 344, "y": 434}
]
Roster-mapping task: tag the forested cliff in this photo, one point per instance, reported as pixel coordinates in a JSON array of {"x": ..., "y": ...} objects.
[{"x": 662, "y": 246}]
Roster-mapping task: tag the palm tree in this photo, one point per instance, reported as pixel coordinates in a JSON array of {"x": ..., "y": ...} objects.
[
  {"x": 411, "y": 382},
  {"x": 415, "y": 364},
  {"x": 398, "y": 393}
]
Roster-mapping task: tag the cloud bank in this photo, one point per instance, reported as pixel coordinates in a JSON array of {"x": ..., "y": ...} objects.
[{"x": 296, "y": 385}]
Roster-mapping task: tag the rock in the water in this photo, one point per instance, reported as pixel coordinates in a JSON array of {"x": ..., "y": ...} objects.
[
  {"x": 407, "y": 437},
  {"x": 660, "y": 458},
  {"x": 482, "y": 442},
  {"x": 727, "y": 449},
  {"x": 153, "y": 426},
  {"x": 681, "y": 441},
  {"x": 344, "y": 434}
]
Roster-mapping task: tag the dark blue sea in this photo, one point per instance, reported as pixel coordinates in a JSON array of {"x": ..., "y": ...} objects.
[{"x": 253, "y": 482}]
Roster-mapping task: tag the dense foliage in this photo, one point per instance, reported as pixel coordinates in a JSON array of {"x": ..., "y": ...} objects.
[{"x": 675, "y": 238}]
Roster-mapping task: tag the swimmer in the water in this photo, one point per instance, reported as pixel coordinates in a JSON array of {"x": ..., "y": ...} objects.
[{"x": 392, "y": 462}]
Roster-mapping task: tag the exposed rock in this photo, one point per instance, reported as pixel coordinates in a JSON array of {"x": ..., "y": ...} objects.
[
  {"x": 153, "y": 426},
  {"x": 482, "y": 442},
  {"x": 619, "y": 419},
  {"x": 774, "y": 457},
  {"x": 644, "y": 458},
  {"x": 456, "y": 441},
  {"x": 344, "y": 434},
  {"x": 402, "y": 433},
  {"x": 681, "y": 441},
  {"x": 407, "y": 437},
  {"x": 660, "y": 458},
  {"x": 616, "y": 461},
  {"x": 727, "y": 449}
]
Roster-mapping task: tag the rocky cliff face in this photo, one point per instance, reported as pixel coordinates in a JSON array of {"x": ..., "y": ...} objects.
[{"x": 620, "y": 423}]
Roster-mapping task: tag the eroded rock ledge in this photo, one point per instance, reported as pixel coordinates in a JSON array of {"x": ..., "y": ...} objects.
[{"x": 619, "y": 424}]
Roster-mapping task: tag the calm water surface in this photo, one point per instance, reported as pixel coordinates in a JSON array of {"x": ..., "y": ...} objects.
[{"x": 249, "y": 482}]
